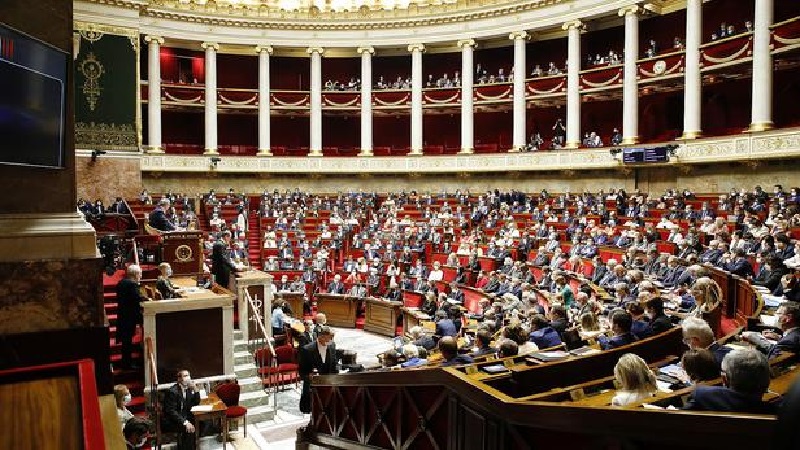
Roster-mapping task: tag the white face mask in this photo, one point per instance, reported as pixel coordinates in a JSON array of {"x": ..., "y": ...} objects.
[
  {"x": 127, "y": 399},
  {"x": 142, "y": 443}
]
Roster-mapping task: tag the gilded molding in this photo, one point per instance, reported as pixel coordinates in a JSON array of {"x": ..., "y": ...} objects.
[
  {"x": 631, "y": 9},
  {"x": 518, "y": 35},
  {"x": 367, "y": 49},
  {"x": 574, "y": 24},
  {"x": 264, "y": 48},
  {"x": 319, "y": 50},
  {"x": 156, "y": 39},
  {"x": 416, "y": 47},
  {"x": 79, "y": 25},
  {"x": 207, "y": 45},
  {"x": 466, "y": 43}
]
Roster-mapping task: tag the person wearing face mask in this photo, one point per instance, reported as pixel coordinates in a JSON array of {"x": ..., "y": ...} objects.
[
  {"x": 787, "y": 341},
  {"x": 122, "y": 396},
  {"x": 163, "y": 284},
  {"x": 320, "y": 357},
  {"x": 136, "y": 432},
  {"x": 178, "y": 402}
]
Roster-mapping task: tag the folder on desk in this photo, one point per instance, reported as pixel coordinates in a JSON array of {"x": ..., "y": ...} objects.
[
  {"x": 549, "y": 356},
  {"x": 202, "y": 408}
]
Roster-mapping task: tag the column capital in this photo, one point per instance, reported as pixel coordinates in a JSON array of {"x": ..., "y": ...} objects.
[
  {"x": 154, "y": 39},
  {"x": 518, "y": 35},
  {"x": 630, "y": 9},
  {"x": 366, "y": 49},
  {"x": 211, "y": 45},
  {"x": 416, "y": 48},
  {"x": 264, "y": 48},
  {"x": 574, "y": 24},
  {"x": 464, "y": 43},
  {"x": 312, "y": 50}
]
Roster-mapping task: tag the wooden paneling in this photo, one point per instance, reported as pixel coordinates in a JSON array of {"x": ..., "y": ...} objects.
[{"x": 190, "y": 340}]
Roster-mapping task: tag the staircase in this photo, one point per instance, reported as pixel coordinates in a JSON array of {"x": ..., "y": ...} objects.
[
  {"x": 258, "y": 403},
  {"x": 254, "y": 239}
]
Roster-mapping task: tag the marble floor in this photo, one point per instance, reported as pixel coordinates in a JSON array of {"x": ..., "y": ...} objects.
[{"x": 280, "y": 432}]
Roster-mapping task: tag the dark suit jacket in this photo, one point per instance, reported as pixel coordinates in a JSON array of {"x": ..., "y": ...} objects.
[
  {"x": 310, "y": 360},
  {"x": 545, "y": 338},
  {"x": 445, "y": 327},
  {"x": 659, "y": 325},
  {"x": 790, "y": 342},
  {"x": 719, "y": 398},
  {"x": 741, "y": 267},
  {"x": 719, "y": 352},
  {"x": 177, "y": 409},
  {"x": 221, "y": 264},
  {"x": 616, "y": 341},
  {"x": 457, "y": 361},
  {"x": 159, "y": 221},
  {"x": 334, "y": 288},
  {"x": 129, "y": 309}
]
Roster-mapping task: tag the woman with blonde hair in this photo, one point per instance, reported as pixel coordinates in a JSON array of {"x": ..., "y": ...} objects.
[
  {"x": 635, "y": 381},
  {"x": 122, "y": 396},
  {"x": 707, "y": 296}
]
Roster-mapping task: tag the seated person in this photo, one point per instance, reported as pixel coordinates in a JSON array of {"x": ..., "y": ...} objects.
[
  {"x": 621, "y": 323},
  {"x": 158, "y": 218},
  {"x": 444, "y": 325},
  {"x": 136, "y": 432},
  {"x": 389, "y": 359},
  {"x": 746, "y": 376},
  {"x": 507, "y": 349},
  {"x": 336, "y": 286},
  {"x": 421, "y": 339},
  {"x": 699, "y": 365},
  {"x": 789, "y": 341},
  {"x": 163, "y": 285},
  {"x": 122, "y": 396},
  {"x": 635, "y": 380},
  {"x": 483, "y": 340},
  {"x": 659, "y": 322},
  {"x": 543, "y": 334},
  {"x": 411, "y": 352},
  {"x": 448, "y": 347},
  {"x": 178, "y": 402},
  {"x": 697, "y": 334},
  {"x": 278, "y": 318}
]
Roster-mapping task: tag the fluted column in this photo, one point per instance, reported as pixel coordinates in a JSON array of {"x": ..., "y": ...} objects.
[
  {"x": 692, "y": 77},
  {"x": 520, "y": 69},
  {"x": 574, "y": 29},
  {"x": 211, "y": 97},
  {"x": 630, "y": 89},
  {"x": 154, "y": 93},
  {"x": 263, "y": 100},
  {"x": 467, "y": 81},
  {"x": 762, "y": 67},
  {"x": 416, "y": 98},
  {"x": 366, "y": 100},
  {"x": 316, "y": 101}
]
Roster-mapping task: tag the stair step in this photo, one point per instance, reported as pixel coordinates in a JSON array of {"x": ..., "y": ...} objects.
[
  {"x": 245, "y": 370},
  {"x": 242, "y": 357},
  {"x": 250, "y": 384},
  {"x": 240, "y": 346},
  {"x": 260, "y": 414},
  {"x": 253, "y": 399},
  {"x": 237, "y": 335}
]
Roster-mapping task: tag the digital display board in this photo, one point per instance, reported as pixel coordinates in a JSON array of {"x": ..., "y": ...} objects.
[{"x": 645, "y": 155}]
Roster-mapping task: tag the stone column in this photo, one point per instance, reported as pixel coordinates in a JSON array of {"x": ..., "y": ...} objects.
[
  {"x": 263, "y": 100},
  {"x": 316, "y": 101},
  {"x": 520, "y": 70},
  {"x": 211, "y": 97},
  {"x": 467, "y": 82},
  {"x": 366, "y": 100},
  {"x": 154, "y": 94},
  {"x": 574, "y": 29},
  {"x": 762, "y": 67},
  {"x": 416, "y": 98},
  {"x": 630, "y": 89},
  {"x": 692, "y": 77}
]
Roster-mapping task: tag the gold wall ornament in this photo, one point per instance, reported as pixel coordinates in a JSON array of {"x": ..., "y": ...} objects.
[
  {"x": 92, "y": 71},
  {"x": 91, "y": 35},
  {"x": 184, "y": 253}
]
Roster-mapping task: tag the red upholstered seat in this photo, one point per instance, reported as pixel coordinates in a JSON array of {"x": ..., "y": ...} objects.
[{"x": 229, "y": 394}]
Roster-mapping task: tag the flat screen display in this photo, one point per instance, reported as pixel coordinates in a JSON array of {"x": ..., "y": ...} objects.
[
  {"x": 33, "y": 80},
  {"x": 644, "y": 155}
]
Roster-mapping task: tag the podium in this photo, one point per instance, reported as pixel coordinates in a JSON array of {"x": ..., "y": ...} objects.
[
  {"x": 340, "y": 310},
  {"x": 295, "y": 301},
  {"x": 183, "y": 250},
  {"x": 381, "y": 316},
  {"x": 259, "y": 285},
  {"x": 192, "y": 332}
]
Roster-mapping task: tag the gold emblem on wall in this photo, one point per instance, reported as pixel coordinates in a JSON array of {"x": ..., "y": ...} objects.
[
  {"x": 92, "y": 71},
  {"x": 183, "y": 253}
]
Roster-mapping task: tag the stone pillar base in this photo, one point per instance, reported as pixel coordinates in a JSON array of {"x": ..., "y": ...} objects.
[
  {"x": 630, "y": 140},
  {"x": 516, "y": 149},
  {"x": 211, "y": 151},
  {"x": 756, "y": 127},
  {"x": 149, "y": 149},
  {"x": 689, "y": 135},
  {"x": 365, "y": 152},
  {"x": 415, "y": 152},
  {"x": 466, "y": 151},
  {"x": 264, "y": 152},
  {"x": 572, "y": 144},
  {"x": 46, "y": 236},
  {"x": 315, "y": 153}
]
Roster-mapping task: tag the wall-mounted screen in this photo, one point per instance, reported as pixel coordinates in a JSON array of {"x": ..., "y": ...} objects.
[{"x": 33, "y": 80}]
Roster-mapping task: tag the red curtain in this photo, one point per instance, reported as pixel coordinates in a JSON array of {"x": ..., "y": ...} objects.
[
  {"x": 169, "y": 64},
  {"x": 199, "y": 68}
]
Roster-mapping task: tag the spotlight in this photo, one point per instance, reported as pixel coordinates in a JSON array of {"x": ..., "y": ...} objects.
[
  {"x": 96, "y": 153},
  {"x": 672, "y": 149},
  {"x": 214, "y": 161}
]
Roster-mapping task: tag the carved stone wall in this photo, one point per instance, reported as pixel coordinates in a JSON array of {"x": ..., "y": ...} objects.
[{"x": 108, "y": 177}]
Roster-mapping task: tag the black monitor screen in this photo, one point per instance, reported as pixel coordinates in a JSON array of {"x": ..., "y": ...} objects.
[
  {"x": 645, "y": 155},
  {"x": 32, "y": 101}
]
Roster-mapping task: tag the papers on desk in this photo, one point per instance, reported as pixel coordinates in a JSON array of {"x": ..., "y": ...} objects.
[
  {"x": 773, "y": 301},
  {"x": 673, "y": 370},
  {"x": 191, "y": 290},
  {"x": 202, "y": 408},
  {"x": 549, "y": 356},
  {"x": 663, "y": 386},
  {"x": 769, "y": 320}
]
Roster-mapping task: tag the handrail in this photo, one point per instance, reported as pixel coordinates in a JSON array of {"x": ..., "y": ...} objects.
[{"x": 259, "y": 323}]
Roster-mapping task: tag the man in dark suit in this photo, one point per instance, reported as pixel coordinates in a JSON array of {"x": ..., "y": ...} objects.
[
  {"x": 746, "y": 375},
  {"x": 455, "y": 296},
  {"x": 448, "y": 347},
  {"x": 444, "y": 325},
  {"x": 697, "y": 334},
  {"x": 129, "y": 311},
  {"x": 320, "y": 357},
  {"x": 789, "y": 341},
  {"x": 621, "y": 323},
  {"x": 739, "y": 265},
  {"x": 558, "y": 319},
  {"x": 178, "y": 403},
  {"x": 221, "y": 264},
  {"x": 659, "y": 322},
  {"x": 158, "y": 218},
  {"x": 483, "y": 341},
  {"x": 543, "y": 335},
  {"x": 336, "y": 286}
]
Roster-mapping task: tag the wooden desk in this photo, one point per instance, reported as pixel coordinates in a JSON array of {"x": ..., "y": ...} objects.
[
  {"x": 259, "y": 285},
  {"x": 194, "y": 331},
  {"x": 295, "y": 301},
  {"x": 381, "y": 316},
  {"x": 340, "y": 310},
  {"x": 413, "y": 317},
  {"x": 217, "y": 413}
]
